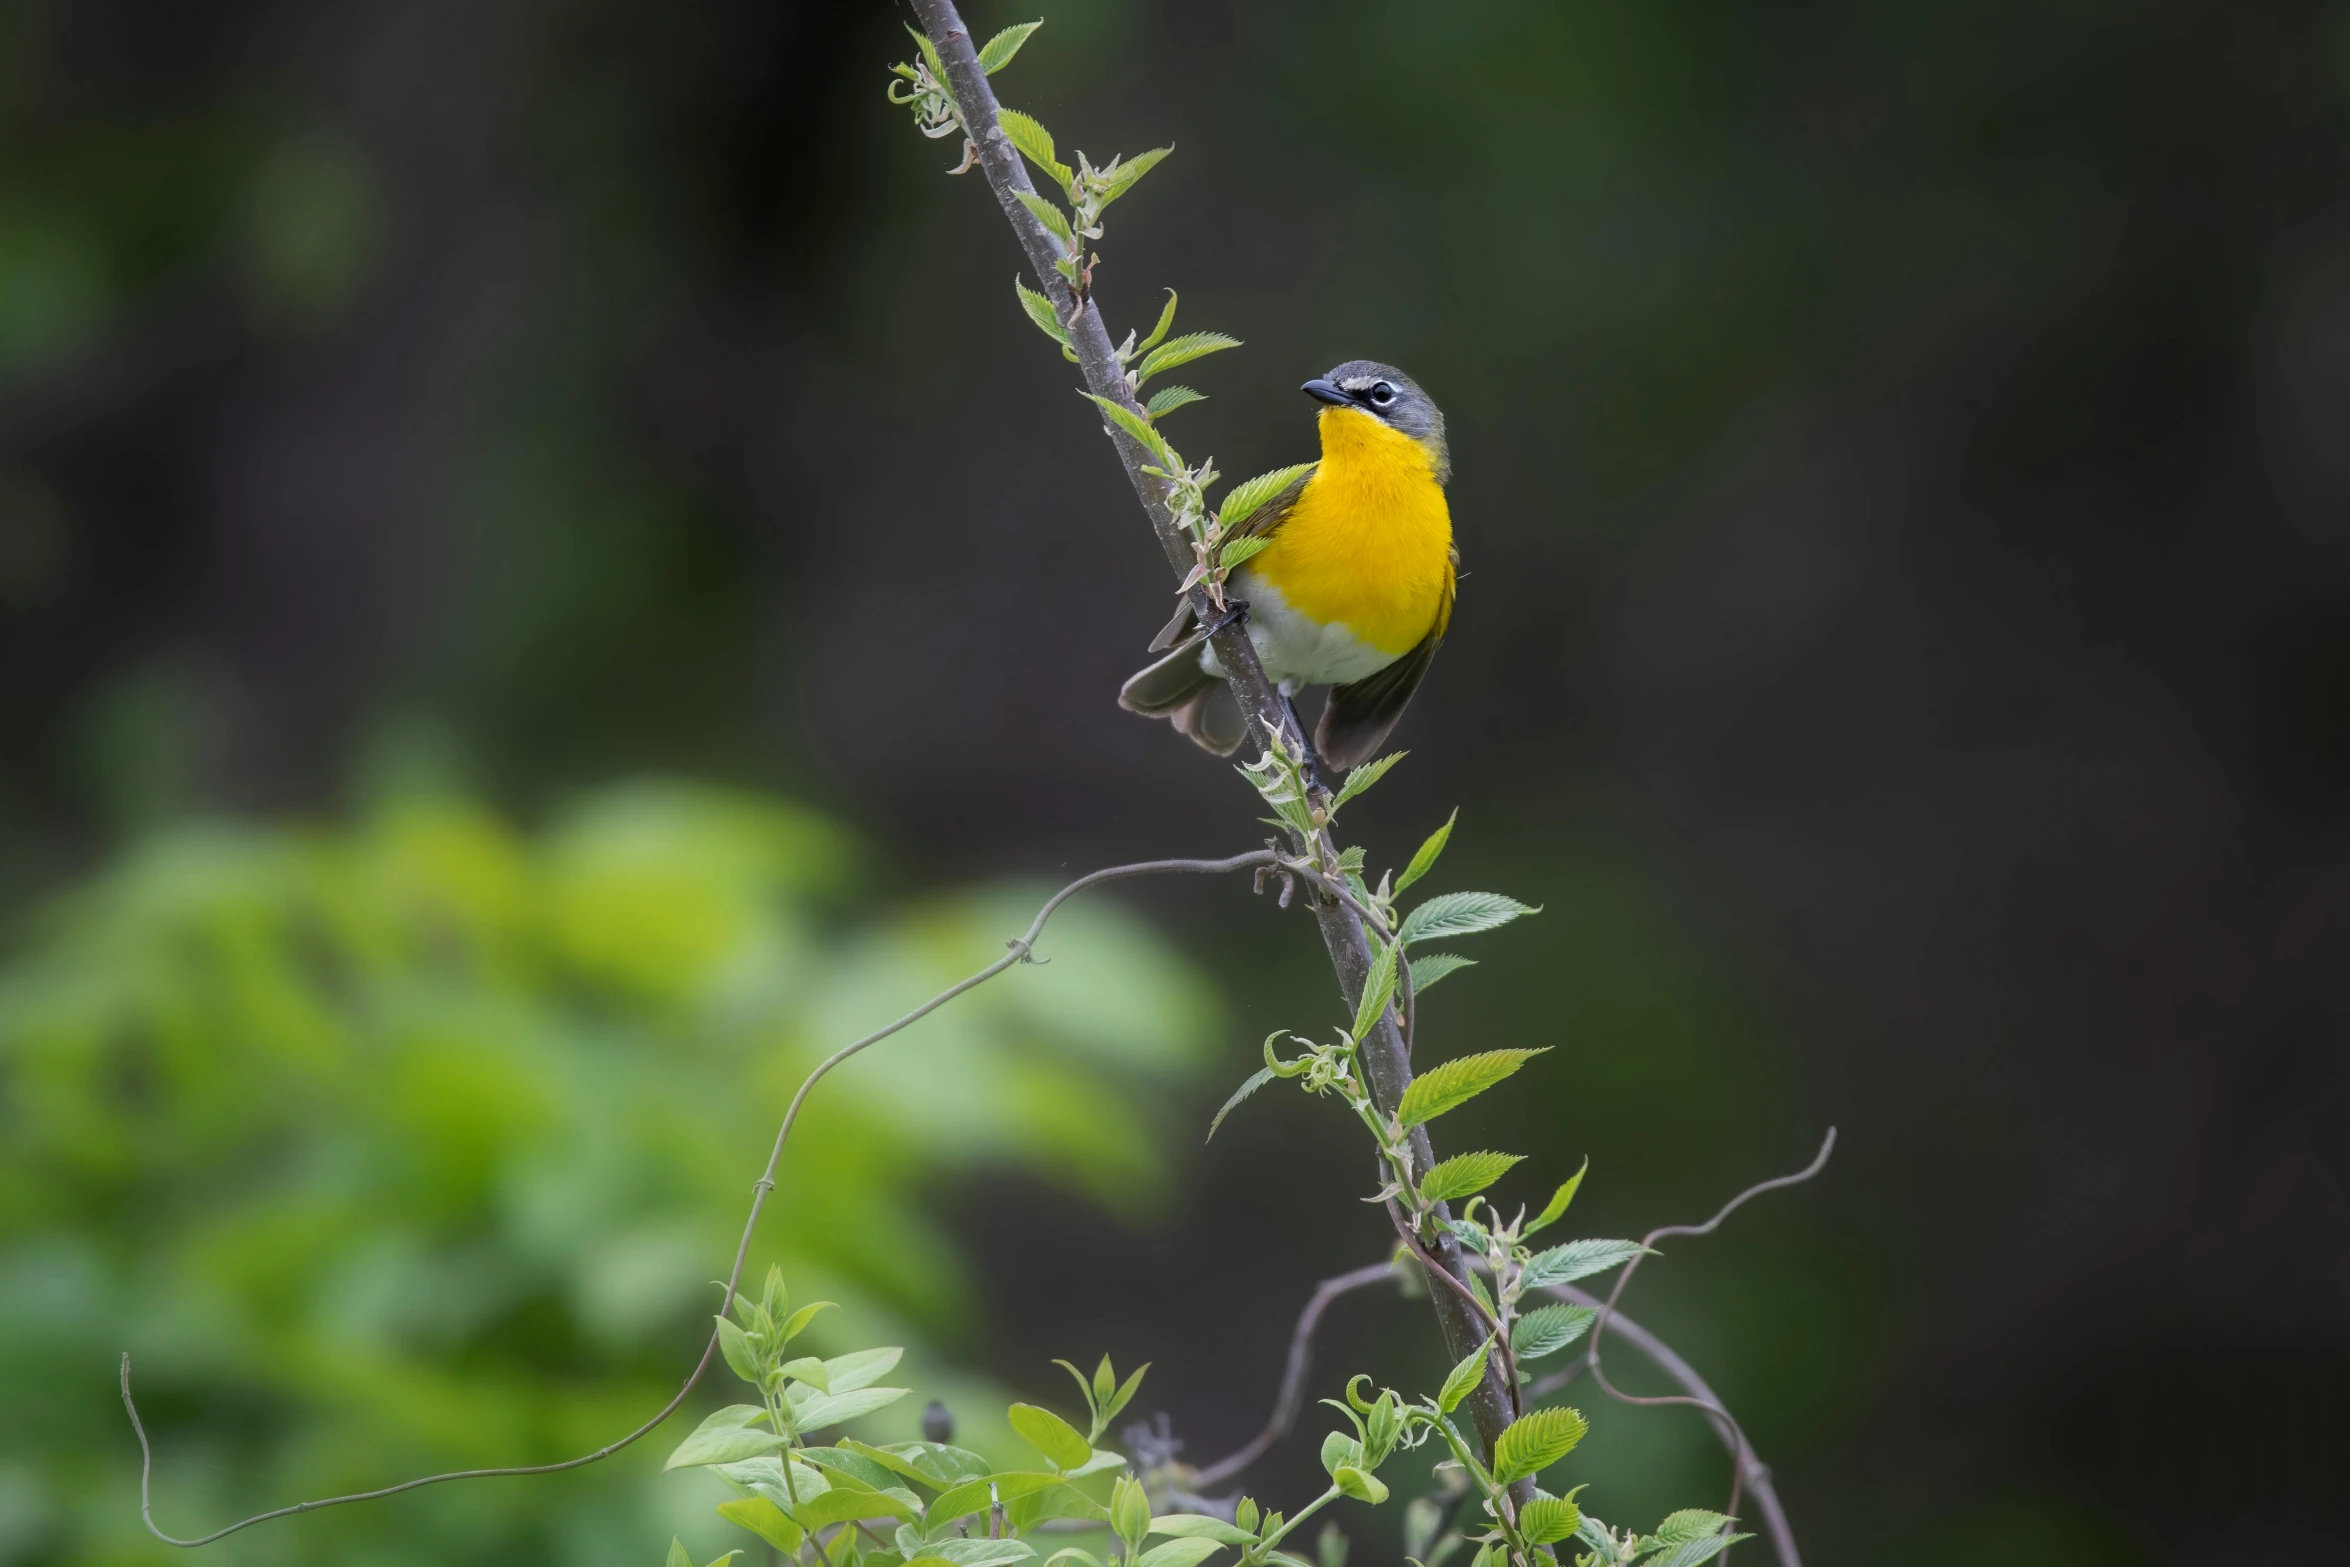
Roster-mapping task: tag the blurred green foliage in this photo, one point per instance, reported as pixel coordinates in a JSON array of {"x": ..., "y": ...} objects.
[{"x": 416, "y": 1144}]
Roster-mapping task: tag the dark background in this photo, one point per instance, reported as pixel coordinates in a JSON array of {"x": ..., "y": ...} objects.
[{"x": 1905, "y": 496}]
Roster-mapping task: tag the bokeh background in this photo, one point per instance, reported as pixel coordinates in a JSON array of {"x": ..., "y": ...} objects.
[{"x": 544, "y": 581}]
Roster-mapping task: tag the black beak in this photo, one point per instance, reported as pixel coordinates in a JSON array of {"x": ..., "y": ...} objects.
[{"x": 1323, "y": 389}]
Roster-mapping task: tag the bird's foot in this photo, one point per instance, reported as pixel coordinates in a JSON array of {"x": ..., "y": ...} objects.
[{"x": 1235, "y": 614}]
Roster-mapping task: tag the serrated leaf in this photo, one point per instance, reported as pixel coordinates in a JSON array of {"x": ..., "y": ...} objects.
[
  {"x": 1690, "y": 1523},
  {"x": 1135, "y": 425},
  {"x": 1256, "y": 1080},
  {"x": 1460, "y": 914},
  {"x": 1169, "y": 398},
  {"x": 1548, "y": 1329},
  {"x": 860, "y": 1369},
  {"x": 1463, "y": 1379},
  {"x": 1179, "y": 1553},
  {"x": 1131, "y": 170},
  {"x": 727, "y": 1437},
  {"x": 1546, "y": 1520},
  {"x": 1555, "y": 1209},
  {"x": 1424, "y": 858},
  {"x": 1429, "y": 967},
  {"x": 1055, "y": 221},
  {"x": 1036, "y": 145},
  {"x": 1689, "y": 1553},
  {"x": 1577, "y": 1260},
  {"x": 830, "y": 1409},
  {"x": 1536, "y": 1441},
  {"x": 1166, "y": 320},
  {"x": 1464, "y": 1174},
  {"x": 1182, "y": 351},
  {"x": 998, "y": 51},
  {"x": 764, "y": 1519},
  {"x": 1040, "y": 311},
  {"x": 1361, "y": 778},
  {"x": 1236, "y": 551},
  {"x": 1243, "y": 499},
  {"x": 1378, "y": 990},
  {"x": 1450, "y": 1084},
  {"x": 1050, "y": 1435}
]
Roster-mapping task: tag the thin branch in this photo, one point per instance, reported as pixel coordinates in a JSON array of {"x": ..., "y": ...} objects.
[
  {"x": 1384, "y": 1053},
  {"x": 1493, "y": 1325},
  {"x": 1293, "y": 1377},
  {"x": 1020, "y": 950},
  {"x": 1742, "y": 1451}
]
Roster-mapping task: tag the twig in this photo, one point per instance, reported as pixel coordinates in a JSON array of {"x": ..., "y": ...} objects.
[
  {"x": 1387, "y": 1065},
  {"x": 1021, "y": 948},
  {"x": 1742, "y": 1451},
  {"x": 1293, "y": 1377}
]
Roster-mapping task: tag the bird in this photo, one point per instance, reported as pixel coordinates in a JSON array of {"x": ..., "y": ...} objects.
[{"x": 1353, "y": 590}]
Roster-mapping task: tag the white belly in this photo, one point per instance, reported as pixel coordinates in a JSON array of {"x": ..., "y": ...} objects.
[{"x": 1296, "y": 651}]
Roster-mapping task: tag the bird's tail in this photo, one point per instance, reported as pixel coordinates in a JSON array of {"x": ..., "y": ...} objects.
[{"x": 1199, "y": 704}]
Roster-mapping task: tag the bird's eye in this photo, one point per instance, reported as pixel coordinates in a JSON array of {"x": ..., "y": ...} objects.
[{"x": 1382, "y": 394}]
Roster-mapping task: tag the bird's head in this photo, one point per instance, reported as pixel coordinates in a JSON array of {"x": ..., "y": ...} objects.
[{"x": 1388, "y": 396}]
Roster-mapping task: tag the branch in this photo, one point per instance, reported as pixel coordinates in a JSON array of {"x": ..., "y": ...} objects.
[
  {"x": 1020, "y": 949},
  {"x": 1293, "y": 1377},
  {"x": 1385, "y": 1054}
]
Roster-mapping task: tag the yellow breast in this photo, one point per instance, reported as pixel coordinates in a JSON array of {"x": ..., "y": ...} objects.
[{"x": 1369, "y": 543}]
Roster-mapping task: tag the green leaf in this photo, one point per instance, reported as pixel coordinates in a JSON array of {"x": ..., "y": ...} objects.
[
  {"x": 726, "y": 1437},
  {"x": 1179, "y": 1553},
  {"x": 1424, "y": 858},
  {"x": 1256, "y": 1080},
  {"x": 810, "y": 1370},
  {"x": 862, "y": 1368},
  {"x": 1182, "y": 351},
  {"x": 846, "y": 1466},
  {"x": 915, "y": 1461},
  {"x": 1040, "y": 311},
  {"x": 1556, "y": 1208},
  {"x": 830, "y": 1409},
  {"x": 1378, "y": 990},
  {"x": 1131, "y": 170},
  {"x": 1166, "y": 320},
  {"x": 1450, "y": 1084},
  {"x": 972, "y": 1495},
  {"x": 735, "y": 1345},
  {"x": 1535, "y": 1442},
  {"x": 1465, "y": 1173},
  {"x": 1169, "y": 398},
  {"x": 1689, "y": 1553},
  {"x": 938, "y": 67},
  {"x": 1546, "y": 1520},
  {"x": 1055, "y": 221},
  {"x": 1241, "y": 549},
  {"x": 1361, "y": 778},
  {"x": 1050, "y": 1435},
  {"x": 764, "y": 1519},
  {"x": 1198, "y": 1526},
  {"x": 1339, "y": 1450},
  {"x": 1242, "y": 500},
  {"x": 797, "y": 1322},
  {"x": 1460, "y": 914},
  {"x": 998, "y": 51},
  {"x": 1548, "y": 1329},
  {"x": 842, "y": 1504},
  {"x": 1577, "y": 1260},
  {"x": 1361, "y": 1486},
  {"x": 1690, "y": 1523},
  {"x": 981, "y": 1552},
  {"x": 1036, "y": 145},
  {"x": 677, "y": 1556},
  {"x": 1119, "y": 1399},
  {"x": 1430, "y": 967},
  {"x": 1134, "y": 425},
  {"x": 1464, "y": 1377}
]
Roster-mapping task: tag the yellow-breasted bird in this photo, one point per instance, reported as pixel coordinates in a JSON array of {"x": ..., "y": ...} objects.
[{"x": 1354, "y": 591}]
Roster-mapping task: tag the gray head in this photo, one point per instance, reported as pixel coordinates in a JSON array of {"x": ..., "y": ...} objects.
[{"x": 1392, "y": 398}]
